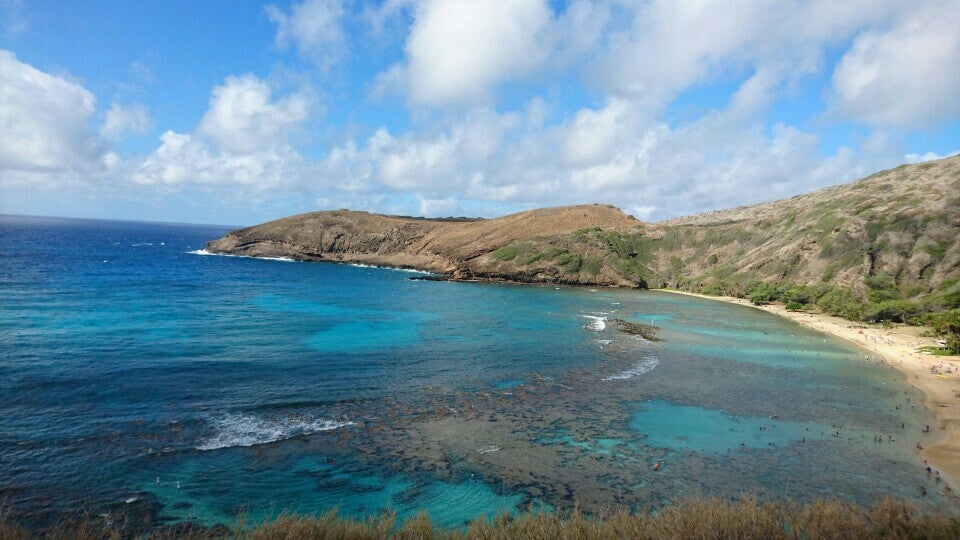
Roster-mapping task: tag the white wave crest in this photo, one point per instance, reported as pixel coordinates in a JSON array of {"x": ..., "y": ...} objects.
[
  {"x": 205, "y": 252},
  {"x": 645, "y": 365},
  {"x": 243, "y": 430},
  {"x": 411, "y": 270},
  {"x": 597, "y": 323}
]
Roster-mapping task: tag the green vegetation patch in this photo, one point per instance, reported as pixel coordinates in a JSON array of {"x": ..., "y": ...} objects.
[
  {"x": 947, "y": 325},
  {"x": 570, "y": 262},
  {"x": 593, "y": 265},
  {"x": 506, "y": 253}
]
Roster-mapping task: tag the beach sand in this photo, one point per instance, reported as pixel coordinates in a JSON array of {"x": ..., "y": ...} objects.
[{"x": 937, "y": 377}]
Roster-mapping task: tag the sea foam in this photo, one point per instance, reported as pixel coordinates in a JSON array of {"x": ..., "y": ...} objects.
[
  {"x": 243, "y": 430},
  {"x": 411, "y": 270},
  {"x": 205, "y": 252},
  {"x": 597, "y": 323},
  {"x": 645, "y": 364}
]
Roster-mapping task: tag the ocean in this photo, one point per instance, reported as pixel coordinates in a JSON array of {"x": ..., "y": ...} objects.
[{"x": 141, "y": 377}]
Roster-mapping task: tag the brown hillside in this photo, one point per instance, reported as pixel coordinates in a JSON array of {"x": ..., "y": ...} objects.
[
  {"x": 458, "y": 248},
  {"x": 903, "y": 223},
  {"x": 897, "y": 232}
]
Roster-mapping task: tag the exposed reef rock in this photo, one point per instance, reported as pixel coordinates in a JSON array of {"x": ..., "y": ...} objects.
[{"x": 646, "y": 331}]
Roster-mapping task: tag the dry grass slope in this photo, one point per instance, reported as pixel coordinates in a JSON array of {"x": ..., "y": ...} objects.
[
  {"x": 707, "y": 519},
  {"x": 904, "y": 223}
]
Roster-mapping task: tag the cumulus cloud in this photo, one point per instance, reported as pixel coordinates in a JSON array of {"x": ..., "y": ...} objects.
[
  {"x": 664, "y": 47},
  {"x": 43, "y": 124},
  {"x": 121, "y": 120},
  {"x": 313, "y": 27},
  {"x": 458, "y": 50},
  {"x": 242, "y": 139},
  {"x": 464, "y": 151},
  {"x": 614, "y": 153},
  {"x": 929, "y": 156},
  {"x": 243, "y": 117},
  {"x": 906, "y": 76}
]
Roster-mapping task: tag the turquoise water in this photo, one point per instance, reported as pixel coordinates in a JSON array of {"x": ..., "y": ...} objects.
[
  {"x": 141, "y": 378},
  {"x": 711, "y": 431}
]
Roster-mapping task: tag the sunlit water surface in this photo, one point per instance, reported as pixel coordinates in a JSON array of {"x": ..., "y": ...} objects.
[{"x": 140, "y": 376}]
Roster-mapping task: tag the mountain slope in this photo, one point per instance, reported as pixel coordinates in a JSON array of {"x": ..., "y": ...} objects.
[
  {"x": 463, "y": 249},
  {"x": 891, "y": 237},
  {"x": 896, "y": 231}
]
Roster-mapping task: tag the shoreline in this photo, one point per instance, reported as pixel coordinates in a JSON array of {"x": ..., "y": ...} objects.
[{"x": 937, "y": 377}]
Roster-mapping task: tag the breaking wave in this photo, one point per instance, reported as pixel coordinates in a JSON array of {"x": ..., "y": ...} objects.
[
  {"x": 243, "y": 430},
  {"x": 411, "y": 270},
  {"x": 205, "y": 252},
  {"x": 646, "y": 364},
  {"x": 597, "y": 323}
]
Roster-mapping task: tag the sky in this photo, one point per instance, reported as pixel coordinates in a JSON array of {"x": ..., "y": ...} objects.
[{"x": 236, "y": 112}]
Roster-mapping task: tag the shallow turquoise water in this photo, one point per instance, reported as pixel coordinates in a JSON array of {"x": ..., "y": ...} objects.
[
  {"x": 262, "y": 386},
  {"x": 713, "y": 431}
]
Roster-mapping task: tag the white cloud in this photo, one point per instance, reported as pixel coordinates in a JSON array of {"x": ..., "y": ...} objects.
[
  {"x": 445, "y": 160},
  {"x": 616, "y": 141},
  {"x": 186, "y": 159},
  {"x": 929, "y": 156},
  {"x": 313, "y": 27},
  {"x": 243, "y": 139},
  {"x": 43, "y": 124},
  {"x": 458, "y": 50},
  {"x": 596, "y": 136},
  {"x": 242, "y": 117},
  {"x": 443, "y": 207},
  {"x": 665, "y": 47},
  {"x": 121, "y": 120},
  {"x": 907, "y": 76},
  {"x": 612, "y": 154}
]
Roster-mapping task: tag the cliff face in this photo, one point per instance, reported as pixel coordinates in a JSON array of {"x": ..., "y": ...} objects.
[{"x": 901, "y": 225}]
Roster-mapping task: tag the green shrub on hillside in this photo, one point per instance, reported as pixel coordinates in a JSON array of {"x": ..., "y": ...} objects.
[
  {"x": 593, "y": 265},
  {"x": 840, "y": 302},
  {"x": 882, "y": 288},
  {"x": 506, "y": 253},
  {"x": 892, "y": 310},
  {"x": 530, "y": 257},
  {"x": 947, "y": 324},
  {"x": 570, "y": 262},
  {"x": 764, "y": 293}
]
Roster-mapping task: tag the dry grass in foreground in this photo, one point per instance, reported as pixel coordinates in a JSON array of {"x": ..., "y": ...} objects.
[{"x": 705, "y": 519}]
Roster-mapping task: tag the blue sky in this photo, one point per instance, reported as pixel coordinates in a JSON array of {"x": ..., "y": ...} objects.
[{"x": 238, "y": 112}]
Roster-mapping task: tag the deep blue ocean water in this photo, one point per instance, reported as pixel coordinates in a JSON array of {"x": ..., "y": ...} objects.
[{"x": 138, "y": 375}]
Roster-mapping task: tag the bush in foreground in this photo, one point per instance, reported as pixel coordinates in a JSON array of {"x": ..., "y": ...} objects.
[{"x": 747, "y": 518}]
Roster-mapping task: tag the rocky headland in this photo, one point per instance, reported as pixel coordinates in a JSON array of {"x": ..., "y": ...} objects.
[{"x": 894, "y": 235}]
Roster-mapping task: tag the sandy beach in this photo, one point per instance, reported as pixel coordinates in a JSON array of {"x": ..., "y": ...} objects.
[{"x": 937, "y": 377}]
